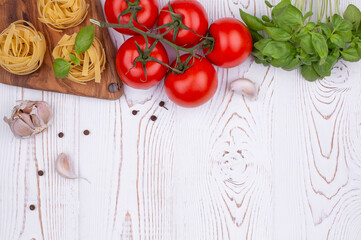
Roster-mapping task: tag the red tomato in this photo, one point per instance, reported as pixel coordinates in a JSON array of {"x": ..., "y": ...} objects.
[
  {"x": 233, "y": 43},
  {"x": 194, "y": 16},
  {"x": 135, "y": 77},
  {"x": 195, "y": 86},
  {"x": 147, "y": 16}
]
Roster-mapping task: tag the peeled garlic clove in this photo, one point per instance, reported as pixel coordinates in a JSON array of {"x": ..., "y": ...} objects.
[
  {"x": 43, "y": 112},
  {"x": 64, "y": 168},
  {"x": 246, "y": 87},
  {"x": 20, "y": 128}
]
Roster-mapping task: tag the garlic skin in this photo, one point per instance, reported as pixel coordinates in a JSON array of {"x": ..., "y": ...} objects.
[
  {"x": 246, "y": 87},
  {"x": 29, "y": 118},
  {"x": 64, "y": 168}
]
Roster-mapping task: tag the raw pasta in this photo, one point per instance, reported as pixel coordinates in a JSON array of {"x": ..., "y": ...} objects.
[
  {"x": 92, "y": 62},
  {"x": 22, "y": 48},
  {"x": 62, "y": 14}
]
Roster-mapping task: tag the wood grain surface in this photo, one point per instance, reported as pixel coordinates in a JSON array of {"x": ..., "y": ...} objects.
[
  {"x": 44, "y": 78},
  {"x": 287, "y": 166}
]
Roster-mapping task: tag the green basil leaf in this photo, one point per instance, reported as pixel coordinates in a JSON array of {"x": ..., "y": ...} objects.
[
  {"x": 306, "y": 60},
  {"x": 320, "y": 45},
  {"x": 306, "y": 44},
  {"x": 278, "y": 34},
  {"x": 266, "y": 18},
  {"x": 359, "y": 49},
  {"x": 302, "y": 32},
  {"x": 74, "y": 59},
  {"x": 258, "y": 54},
  {"x": 310, "y": 26},
  {"x": 278, "y": 50},
  {"x": 287, "y": 28},
  {"x": 336, "y": 21},
  {"x": 77, "y": 61},
  {"x": 346, "y": 36},
  {"x": 260, "y": 45},
  {"x": 281, "y": 62},
  {"x": 84, "y": 39},
  {"x": 277, "y": 10},
  {"x": 264, "y": 62},
  {"x": 294, "y": 64},
  {"x": 269, "y": 4},
  {"x": 335, "y": 52},
  {"x": 309, "y": 73},
  {"x": 61, "y": 68},
  {"x": 255, "y": 36},
  {"x": 350, "y": 54},
  {"x": 345, "y": 26},
  {"x": 325, "y": 29},
  {"x": 353, "y": 14},
  {"x": 337, "y": 40},
  {"x": 325, "y": 68},
  {"x": 288, "y": 16},
  {"x": 251, "y": 21},
  {"x": 307, "y": 15}
]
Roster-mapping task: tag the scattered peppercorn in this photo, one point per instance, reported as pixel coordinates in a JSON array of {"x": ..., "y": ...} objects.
[
  {"x": 162, "y": 104},
  {"x": 32, "y": 207},
  {"x": 86, "y": 132},
  {"x": 61, "y": 135},
  {"x": 135, "y": 112},
  {"x": 40, "y": 172},
  {"x": 153, "y": 118}
]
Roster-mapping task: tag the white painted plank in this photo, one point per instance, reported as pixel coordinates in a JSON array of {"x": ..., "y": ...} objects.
[{"x": 284, "y": 167}]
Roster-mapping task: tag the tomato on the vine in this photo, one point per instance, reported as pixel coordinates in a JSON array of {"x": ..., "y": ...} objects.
[
  {"x": 147, "y": 16},
  {"x": 233, "y": 43},
  {"x": 193, "y": 16},
  {"x": 195, "y": 86},
  {"x": 135, "y": 76}
]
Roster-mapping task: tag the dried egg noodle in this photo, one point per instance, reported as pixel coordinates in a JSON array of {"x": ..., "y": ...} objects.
[
  {"x": 22, "y": 48},
  {"x": 92, "y": 62},
  {"x": 62, "y": 14}
]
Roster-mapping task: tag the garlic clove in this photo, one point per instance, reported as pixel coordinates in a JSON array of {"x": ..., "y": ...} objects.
[
  {"x": 246, "y": 87},
  {"x": 43, "y": 111},
  {"x": 20, "y": 128},
  {"x": 27, "y": 119},
  {"x": 64, "y": 168},
  {"x": 36, "y": 121},
  {"x": 25, "y": 106}
]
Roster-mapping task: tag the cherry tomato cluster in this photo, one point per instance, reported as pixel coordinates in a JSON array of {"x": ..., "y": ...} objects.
[{"x": 191, "y": 80}]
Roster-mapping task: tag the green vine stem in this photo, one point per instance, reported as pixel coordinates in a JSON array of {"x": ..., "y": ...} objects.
[{"x": 174, "y": 25}]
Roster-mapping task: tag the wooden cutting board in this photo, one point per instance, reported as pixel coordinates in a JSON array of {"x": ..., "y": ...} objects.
[{"x": 44, "y": 78}]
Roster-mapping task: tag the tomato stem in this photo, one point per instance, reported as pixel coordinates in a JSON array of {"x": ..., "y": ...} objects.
[{"x": 175, "y": 25}]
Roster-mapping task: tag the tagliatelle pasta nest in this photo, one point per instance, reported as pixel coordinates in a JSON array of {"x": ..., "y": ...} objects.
[
  {"x": 22, "y": 48},
  {"x": 62, "y": 14},
  {"x": 92, "y": 62}
]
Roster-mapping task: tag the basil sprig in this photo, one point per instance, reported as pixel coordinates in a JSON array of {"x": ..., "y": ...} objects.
[
  {"x": 289, "y": 41},
  {"x": 83, "y": 42}
]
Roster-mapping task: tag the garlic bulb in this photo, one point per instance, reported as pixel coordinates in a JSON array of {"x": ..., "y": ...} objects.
[
  {"x": 29, "y": 118},
  {"x": 246, "y": 87}
]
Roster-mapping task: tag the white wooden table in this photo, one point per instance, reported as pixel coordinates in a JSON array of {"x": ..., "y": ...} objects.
[{"x": 287, "y": 166}]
